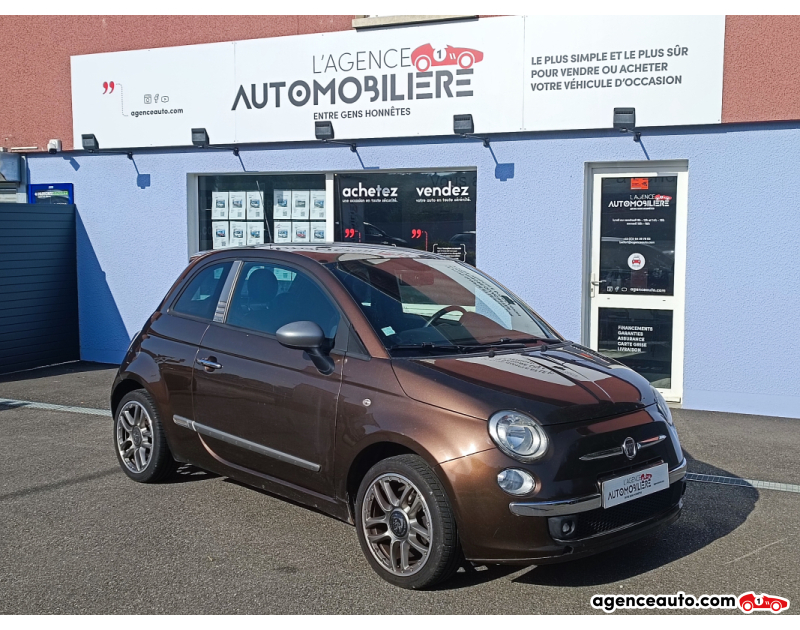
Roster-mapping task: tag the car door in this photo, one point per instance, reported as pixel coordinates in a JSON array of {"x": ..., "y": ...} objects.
[{"x": 268, "y": 408}]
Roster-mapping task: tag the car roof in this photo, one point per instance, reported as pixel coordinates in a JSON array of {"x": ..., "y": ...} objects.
[{"x": 333, "y": 252}]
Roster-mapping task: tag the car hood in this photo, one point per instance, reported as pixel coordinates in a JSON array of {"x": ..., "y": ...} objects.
[{"x": 564, "y": 384}]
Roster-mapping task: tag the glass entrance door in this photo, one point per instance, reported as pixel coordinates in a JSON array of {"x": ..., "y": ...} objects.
[{"x": 636, "y": 285}]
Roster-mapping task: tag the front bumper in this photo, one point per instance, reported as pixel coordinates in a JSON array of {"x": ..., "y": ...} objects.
[
  {"x": 496, "y": 529},
  {"x": 576, "y": 506}
]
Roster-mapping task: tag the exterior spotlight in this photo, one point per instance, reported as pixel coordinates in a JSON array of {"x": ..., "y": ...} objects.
[
  {"x": 625, "y": 121},
  {"x": 200, "y": 137},
  {"x": 323, "y": 130},
  {"x": 90, "y": 143},
  {"x": 464, "y": 126}
]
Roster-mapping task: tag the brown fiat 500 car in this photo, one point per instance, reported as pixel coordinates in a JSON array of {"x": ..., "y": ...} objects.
[{"x": 406, "y": 393}]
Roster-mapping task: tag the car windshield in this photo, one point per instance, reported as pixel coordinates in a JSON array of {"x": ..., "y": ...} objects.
[{"x": 426, "y": 305}]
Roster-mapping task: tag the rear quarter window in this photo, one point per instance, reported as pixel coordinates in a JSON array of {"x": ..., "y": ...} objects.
[{"x": 200, "y": 297}]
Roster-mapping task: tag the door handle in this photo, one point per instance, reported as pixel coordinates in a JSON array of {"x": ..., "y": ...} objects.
[
  {"x": 597, "y": 283},
  {"x": 209, "y": 364}
]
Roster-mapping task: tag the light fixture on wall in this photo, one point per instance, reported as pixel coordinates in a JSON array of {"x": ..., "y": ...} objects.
[
  {"x": 625, "y": 121},
  {"x": 91, "y": 145},
  {"x": 201, "y": 141},
  {"x": 464, "y": 126},
  {"x": 323, "y": 130},
  {"x": 200, "y": 137}
]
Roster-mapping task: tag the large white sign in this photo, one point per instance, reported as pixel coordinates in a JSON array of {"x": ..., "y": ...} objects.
[
  {"x": 511, "y": 73},
  {"x": 578, "y": 69}
]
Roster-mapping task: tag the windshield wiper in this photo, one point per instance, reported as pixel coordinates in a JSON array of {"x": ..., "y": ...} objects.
[
  {"x": 460, "y": 348},
  {"x": 506, "y": 341},
  {"x": 426, "y": 346}
]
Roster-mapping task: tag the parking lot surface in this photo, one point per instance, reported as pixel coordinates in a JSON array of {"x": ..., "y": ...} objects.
[{"x": 79, "y": 537}]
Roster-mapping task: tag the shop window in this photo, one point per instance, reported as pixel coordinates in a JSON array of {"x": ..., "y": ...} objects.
[
  {"x": 239, "y": 210},
  {"x": 433, "y": 211}
]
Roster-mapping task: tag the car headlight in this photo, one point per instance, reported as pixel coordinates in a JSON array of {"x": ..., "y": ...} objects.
[
  {"x": 518, "y": 435},
  {"x": 662, "y": 406}
]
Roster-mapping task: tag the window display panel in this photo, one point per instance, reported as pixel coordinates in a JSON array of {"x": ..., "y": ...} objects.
[
  {"x": 637, "y": 235},
  {"x": 433, "y": 211},
  {"x": 641, "y": 338},
  {"x": 232, "y": 210}
]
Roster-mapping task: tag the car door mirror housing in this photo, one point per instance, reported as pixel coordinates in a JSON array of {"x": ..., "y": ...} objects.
[{"x": 307, "y": 336}]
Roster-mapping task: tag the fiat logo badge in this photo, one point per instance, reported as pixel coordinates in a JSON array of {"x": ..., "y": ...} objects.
[{"x": 629, "y": 448}]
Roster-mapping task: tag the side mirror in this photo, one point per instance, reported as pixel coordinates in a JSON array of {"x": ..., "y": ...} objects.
[{"x": 307, "y": 336}]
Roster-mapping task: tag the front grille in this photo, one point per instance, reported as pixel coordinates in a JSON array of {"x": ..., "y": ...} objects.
[{"x": 603, "y": 520}]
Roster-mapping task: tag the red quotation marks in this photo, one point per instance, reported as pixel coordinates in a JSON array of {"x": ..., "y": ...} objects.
[
  {"x": 108, "y": 87},
  {"x": 352, "y": 233},
  {"x": 418, "y": 234}
]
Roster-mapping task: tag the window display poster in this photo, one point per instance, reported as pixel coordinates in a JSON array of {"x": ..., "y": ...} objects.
[
  {"x": 255, "y": 205},
  {"x": 637, "y": 235},
  {"x": 255, "y": 233},
  {"x": 301, "y": 232},
  {"x": 238, "y": 234},
  {"x": 237, "y": 209},
  {"x": 317, "y": 211},
  {"x": 640, "y": 338},
  {"x": 219, "y": 205},
  {"x": 283, "y": 231},
  {"x": 301, "y": 199},
  {"x": 416, "y": 210},
  {"x": 282, "y": 208},
  {"x": 220, "y": 229},
  {"x": 318, "y": 232}
]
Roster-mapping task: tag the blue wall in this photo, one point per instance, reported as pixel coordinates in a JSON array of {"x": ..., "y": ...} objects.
[{"x": 743, "y": 274}]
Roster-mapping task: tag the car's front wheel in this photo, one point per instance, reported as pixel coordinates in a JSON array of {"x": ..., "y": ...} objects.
[
  {"x": 405, "y": 523},
  {"x": 141, "y": 447}
]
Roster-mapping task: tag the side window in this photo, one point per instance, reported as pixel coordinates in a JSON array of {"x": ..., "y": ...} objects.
[
  {"x": 201, "y": 295},
  {"x": 268, "y": 296}
]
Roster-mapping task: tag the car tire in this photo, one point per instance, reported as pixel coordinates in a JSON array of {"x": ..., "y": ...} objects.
[
  {"x": 391, "y": 524},
  {"x": 423, "y": 63},
  {"x": 139, "y": 441},
  {"x": 465, "y": 60}
]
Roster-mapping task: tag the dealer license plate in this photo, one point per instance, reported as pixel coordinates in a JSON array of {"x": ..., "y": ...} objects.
[{"x": 635, "y": 485}]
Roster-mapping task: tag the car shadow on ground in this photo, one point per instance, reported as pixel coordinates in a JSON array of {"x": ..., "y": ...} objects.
[
  {"x": 710, "y": 512},
  {"x": 187, "y": 473}
]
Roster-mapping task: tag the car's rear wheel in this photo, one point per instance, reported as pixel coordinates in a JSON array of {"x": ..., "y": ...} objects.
[
  {"x": 405, "y": 523},
  {"x": 747, "y": 606},
  {"x": 141, "y": 447}
]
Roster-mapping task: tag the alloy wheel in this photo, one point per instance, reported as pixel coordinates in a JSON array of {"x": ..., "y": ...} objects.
[
  {"x": 134, "y": 436},
  {"x": 397, "y": 524}
]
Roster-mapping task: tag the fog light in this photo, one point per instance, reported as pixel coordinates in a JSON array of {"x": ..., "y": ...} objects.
[
  {"x": 562, "y": 527},
  {"x": 516, "y": 481}
]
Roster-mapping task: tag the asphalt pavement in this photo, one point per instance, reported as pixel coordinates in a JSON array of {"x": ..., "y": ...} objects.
[{"x": 77, "y": 536}]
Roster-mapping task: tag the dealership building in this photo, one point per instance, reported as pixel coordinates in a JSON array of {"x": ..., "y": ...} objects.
[{"x": 632, "y": 179}]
